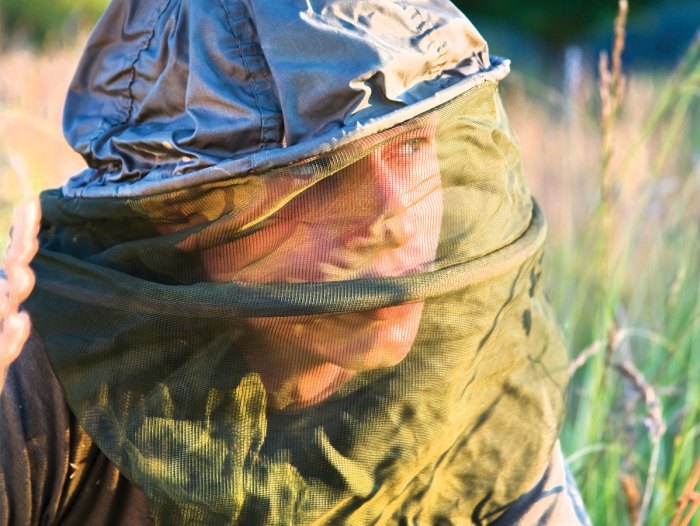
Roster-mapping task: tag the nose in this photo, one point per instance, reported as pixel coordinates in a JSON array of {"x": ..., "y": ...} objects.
[
  {"x": 396, "y": 231},
  {"x": 389, "y": 192},
  {"x": 390, "y": 201}
]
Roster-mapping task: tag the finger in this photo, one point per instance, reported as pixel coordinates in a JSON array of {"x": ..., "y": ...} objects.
[
  {"x": 4, "y": 297},
  {"x": 21, "y": 280},
  {"x": 20, "y": 251},
  {"x": 25, "y": 227},
  {"x": 14, "y": 333}
]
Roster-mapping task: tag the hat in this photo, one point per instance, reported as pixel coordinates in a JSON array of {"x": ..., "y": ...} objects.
[{"x": 171, "y": 94}]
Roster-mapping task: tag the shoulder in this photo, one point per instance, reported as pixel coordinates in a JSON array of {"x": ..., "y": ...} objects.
[{"x": 50, "y": 469}]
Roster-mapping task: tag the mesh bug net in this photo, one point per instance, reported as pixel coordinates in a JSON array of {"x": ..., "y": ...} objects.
[{"x": 354, "y": 338}]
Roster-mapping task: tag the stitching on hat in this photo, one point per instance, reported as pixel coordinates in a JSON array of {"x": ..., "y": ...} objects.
[
  {"x": 128, "y": 106},
  {"x": 256, "y": 67},
  {"x": 425, "y": 25}
]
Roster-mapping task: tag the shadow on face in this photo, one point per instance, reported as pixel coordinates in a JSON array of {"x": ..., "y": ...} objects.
[{"x": 378, "y": 217}]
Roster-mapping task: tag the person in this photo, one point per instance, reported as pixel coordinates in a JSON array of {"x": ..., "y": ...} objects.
[
  {"x": 318, "y": 238},
  {"x": 298, "y": 283}
]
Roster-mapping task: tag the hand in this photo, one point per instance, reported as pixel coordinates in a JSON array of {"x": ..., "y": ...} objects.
[{"x": 16, "y": 287}]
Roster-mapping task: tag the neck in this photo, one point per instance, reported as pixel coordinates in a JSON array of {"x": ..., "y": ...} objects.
[{"x": 293, "y": 378}]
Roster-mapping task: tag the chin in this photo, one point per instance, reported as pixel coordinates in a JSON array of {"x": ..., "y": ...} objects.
[
  {"x": 355, "y": 341},
  {"x": 382, "y": 338}
]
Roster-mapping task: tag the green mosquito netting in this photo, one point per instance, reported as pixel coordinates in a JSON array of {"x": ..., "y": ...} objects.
[{"x": 355, "y": 338}]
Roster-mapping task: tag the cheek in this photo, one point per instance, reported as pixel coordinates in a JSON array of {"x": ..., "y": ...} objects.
[
  {"x": 434, "y": 224},
  {"x": 261, "y": 257},
  {"x": 425, "y": 221}
]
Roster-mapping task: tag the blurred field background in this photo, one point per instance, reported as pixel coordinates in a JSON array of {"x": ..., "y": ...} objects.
[{"x": 621, "y": 193}]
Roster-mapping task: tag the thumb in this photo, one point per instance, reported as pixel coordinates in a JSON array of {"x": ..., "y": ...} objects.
[{"x": 14, "y": 331}]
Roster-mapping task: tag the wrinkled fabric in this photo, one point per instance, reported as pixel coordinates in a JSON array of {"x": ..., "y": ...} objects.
[
  {"x": 184, "y": 92},
  {"x": 169, "y": 319},
  {"x": 79, "y": 486},
  {"x": 299, "y": 282},
  {"x": 50, "y": 470}
]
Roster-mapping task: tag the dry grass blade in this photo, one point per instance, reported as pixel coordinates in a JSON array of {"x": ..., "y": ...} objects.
[
  {"x": 611, "y": 88},
  {"x": 613, "y": 341},
  {"x": 689, "y": 502},
  {"x": 618, "y": 79},
  {"x": 606, "y": 121},
  {"x": 14, "y": 325},
  {"x": 655, "y": 423},
  {"x": 633, "y": 498},
  {"x": 585, "y": 355}
]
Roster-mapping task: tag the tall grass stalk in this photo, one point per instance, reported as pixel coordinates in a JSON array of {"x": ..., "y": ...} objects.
[
  {"x": 628, "y": 293},
  {"x": 689, "y": 502},
  {"x": 634, "y": 422},
  {"x": 611, "y": 88},
  {"x": 649, "y": 292}
]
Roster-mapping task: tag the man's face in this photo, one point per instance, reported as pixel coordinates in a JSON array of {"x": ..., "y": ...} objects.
[{"x": 379, "y": 217}]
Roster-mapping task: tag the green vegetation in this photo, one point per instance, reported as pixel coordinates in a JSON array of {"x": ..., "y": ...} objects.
[
  {"x": 555, "y": 23},
  {"x": 624, "y": 277},
  {"x": 44, "y": 21},
  {"x": 623, "y": 270}
]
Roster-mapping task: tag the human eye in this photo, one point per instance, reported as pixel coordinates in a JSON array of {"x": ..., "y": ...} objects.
[
  {"x": 407, "y": 148},
  {"x": 413, "y": 145}
]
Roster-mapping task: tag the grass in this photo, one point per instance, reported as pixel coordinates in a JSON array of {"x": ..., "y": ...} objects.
[
  {"x": 625, "y": 284},
  {"x": 624, "y": 275},
  {"x": 33, "y": 153}
]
